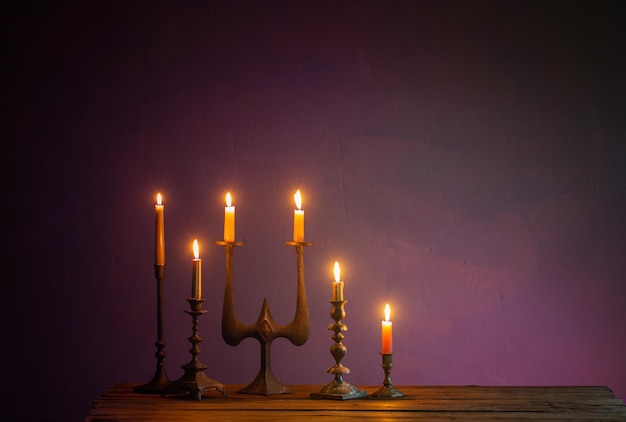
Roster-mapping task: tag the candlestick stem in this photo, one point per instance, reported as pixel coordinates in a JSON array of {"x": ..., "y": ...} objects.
[
  {"x": 159, "y": 381},
  {"x": 387, "y": 390},
  {"x": 194, "y": 381},
  {"x": 338, "y": 389}
]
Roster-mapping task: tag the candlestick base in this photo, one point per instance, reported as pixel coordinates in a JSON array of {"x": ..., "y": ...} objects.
[
  {"x": 339, "y": 390},
  {"x": 157, "y": 385},
  {"x": 387, "y": 390},
  {"x": 195, "y": 382}
]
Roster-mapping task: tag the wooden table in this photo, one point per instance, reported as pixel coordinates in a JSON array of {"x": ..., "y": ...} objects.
[{"x": 589, "y": 403}]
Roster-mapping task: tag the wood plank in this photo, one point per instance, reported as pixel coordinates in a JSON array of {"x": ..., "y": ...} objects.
[{"x": 121, "y": 403}]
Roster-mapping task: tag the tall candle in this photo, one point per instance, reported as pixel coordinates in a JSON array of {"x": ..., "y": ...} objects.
[
  {"x": 386, "y": 334},
  {"x": 229, "y": 220},
  {"x": 159, "y": 245},
  {"x": 337, "y": 285},
  {"x": 196, "y": 273},
  {"x": 298, "y": 219}
]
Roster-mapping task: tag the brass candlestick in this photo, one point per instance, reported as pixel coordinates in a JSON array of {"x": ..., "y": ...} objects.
[
  {"x": 265, "y": 329},
  {"x": 194, "y": 381},
  {"x": 338, "y": 389},
  {"x": 387, "y": 390},
  {"x": 159, "y": 381}
]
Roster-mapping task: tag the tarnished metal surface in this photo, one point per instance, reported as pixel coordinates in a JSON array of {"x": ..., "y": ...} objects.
[
  {"x": 338, "y": 389},
  {"x": 265, "y": 329}
]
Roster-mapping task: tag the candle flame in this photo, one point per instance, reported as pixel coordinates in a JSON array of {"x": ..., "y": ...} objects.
[
  {"x": 387, "y": 312},
  {"x": 196, "y": 252},
  {"x": 298, "y": 198},
  {"x": 229, "y": 200},
  {"x": 159, "y": 199},
  {"x": 337, "y": 272}
]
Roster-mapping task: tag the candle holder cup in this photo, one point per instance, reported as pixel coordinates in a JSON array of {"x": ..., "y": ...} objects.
[
  {"x": 338, "y": 389},
  {"x": 194, "y": 381},
  {"x": 265, "y": 329},
  {"x": 387, "y": 390},
  {"x": 159, "y": 382}
]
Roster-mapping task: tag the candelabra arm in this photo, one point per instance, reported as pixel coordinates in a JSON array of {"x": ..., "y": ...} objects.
[
  {"x": 233, "y": 331},
  {"x": 298, "y": 330}
]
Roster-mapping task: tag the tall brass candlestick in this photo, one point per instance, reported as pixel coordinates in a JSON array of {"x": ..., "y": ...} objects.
[
  {"x": 338, "y": 389},
  {"x": 265, "y": 329},
  {"x": 159, "y": 382}
]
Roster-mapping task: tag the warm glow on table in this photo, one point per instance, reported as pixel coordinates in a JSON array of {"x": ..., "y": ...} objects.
[
  {"x": 387, "y": 341},
  {"x": 159, "y": 246},
  {"x": 229, "y": 220},
  {"x": 298, "y": 218},
  {"x": 196, "y": 273},
  {"x": 337, "y": 284}
]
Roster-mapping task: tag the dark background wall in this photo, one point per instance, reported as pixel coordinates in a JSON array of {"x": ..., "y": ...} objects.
[{"x": 463, "y": 161}]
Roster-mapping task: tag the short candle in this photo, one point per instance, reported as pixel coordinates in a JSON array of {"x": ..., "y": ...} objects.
[
  {"x": 159, "y": 245},
  {"x": 298, "y": 218},
  {"x": 387, "y": 341},
  {"x": 337, "y": 284},
  {"x": 196, "y": 273},
  {"x": 229, "y": 220}
]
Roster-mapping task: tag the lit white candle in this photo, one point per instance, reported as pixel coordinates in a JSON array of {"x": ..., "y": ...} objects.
[
  {"x": 229, "y": 220},
  {"x": 337, "y": 285},
  {"x": 159, "y": 245},
  {"x": 387, "y": 340},
  {"x": 298, "y": 219},
  {"x": 196, "y": 273}
]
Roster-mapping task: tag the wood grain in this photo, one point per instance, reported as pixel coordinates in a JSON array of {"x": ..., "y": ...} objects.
[{"x": 589, "y": 403}]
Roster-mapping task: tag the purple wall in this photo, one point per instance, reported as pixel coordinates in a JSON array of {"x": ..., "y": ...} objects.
[{"x": 463, "y": 161}]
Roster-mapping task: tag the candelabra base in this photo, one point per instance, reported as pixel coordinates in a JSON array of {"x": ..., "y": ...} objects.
[
  {"x": 339, "y": 391},
  {"x": 195, "y": 382},
  {"x": 265, "y": 384}
]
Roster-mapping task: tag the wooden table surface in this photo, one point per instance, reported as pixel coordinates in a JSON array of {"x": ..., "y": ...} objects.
[{"x": 588, "y": 403}]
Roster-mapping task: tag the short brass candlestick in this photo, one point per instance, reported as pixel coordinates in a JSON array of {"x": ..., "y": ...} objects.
[
  {"x": 387, "y": 390},
  {"x": 265, "y": 330},
  {"x": 194, "y": 381},
  {"x": 338, "y": 389},
  {"x": 159, "y": 381}
]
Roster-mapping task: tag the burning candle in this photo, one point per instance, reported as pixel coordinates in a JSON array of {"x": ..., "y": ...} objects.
[
  {"x": 386, "y": 334},
  {"x": 196, "y": 273},
  {"x": 337, "y": 285},
  {"x": 159, "y": 246},
  {"x": 298, "y": 219},
  {"x": 229, "y": 220}
]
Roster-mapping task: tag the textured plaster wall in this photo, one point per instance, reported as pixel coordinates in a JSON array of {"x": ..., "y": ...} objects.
[{"x": 464, "y": 161}]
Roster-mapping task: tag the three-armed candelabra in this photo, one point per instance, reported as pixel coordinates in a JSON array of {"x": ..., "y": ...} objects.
[{"x": 265, "y": 329}]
